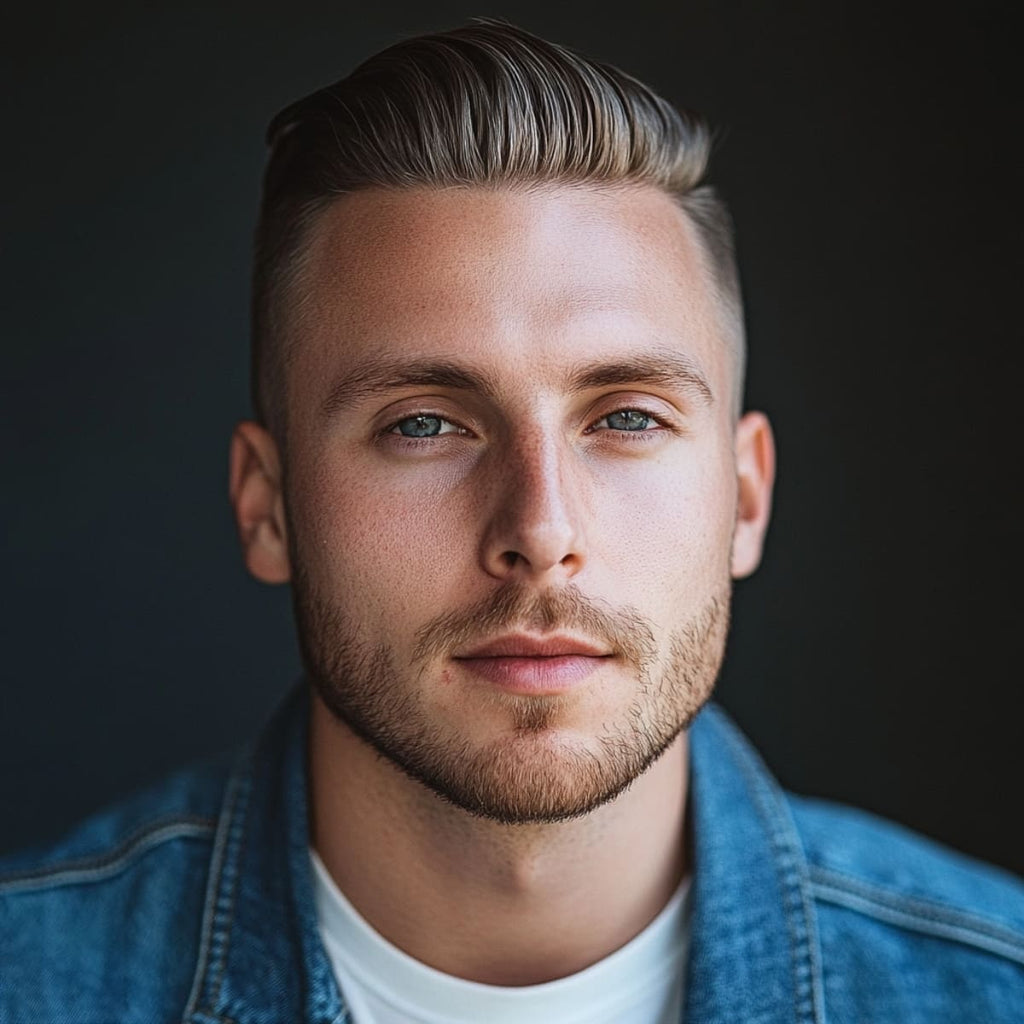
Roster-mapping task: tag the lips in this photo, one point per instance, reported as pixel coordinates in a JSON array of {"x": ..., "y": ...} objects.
[
  {"x": 533, "y": 665},
  {"x": 523, "y": 646}
]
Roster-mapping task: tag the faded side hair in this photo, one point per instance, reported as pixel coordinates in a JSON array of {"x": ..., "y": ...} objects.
[{"x": 484, "y": 105}]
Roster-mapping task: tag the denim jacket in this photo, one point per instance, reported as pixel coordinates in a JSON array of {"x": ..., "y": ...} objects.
[{"x": 193, "y": 902}]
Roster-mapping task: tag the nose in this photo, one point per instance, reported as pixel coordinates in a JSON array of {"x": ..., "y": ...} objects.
[{"x": 535, "y": 529}]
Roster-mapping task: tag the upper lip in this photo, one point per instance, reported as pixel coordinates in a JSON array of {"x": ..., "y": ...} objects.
[{"x": 521, "y": 645}]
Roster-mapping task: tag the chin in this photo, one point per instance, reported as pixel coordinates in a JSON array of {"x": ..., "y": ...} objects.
[{"x": 545, "y": 774}]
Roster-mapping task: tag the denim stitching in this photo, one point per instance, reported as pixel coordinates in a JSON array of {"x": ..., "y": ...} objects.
[
  {"x": 96, "y": 869},
  {"x": 212, "y": 941},
  {"x": 916, "y": 913},
  {"x": 802, "y": 933},
  {"x": 226, "y": 907},
  {"x": 212, "y": 1018}
]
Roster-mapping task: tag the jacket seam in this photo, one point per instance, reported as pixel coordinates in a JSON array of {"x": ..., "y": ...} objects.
[
  {"x": 85, "y": 870},
  {"x": 782, "y": 830},
  {"x": 218, "y": 910},
  {"x": 917, "y": 914},
  {"x": 226, "y": 906}
]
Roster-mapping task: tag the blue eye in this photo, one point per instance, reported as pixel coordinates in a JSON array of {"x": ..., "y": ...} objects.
[
  {"x": 419, "y": 426},
  {"x": 629, "y": 419},
  {"x": 426, "y": 425}
]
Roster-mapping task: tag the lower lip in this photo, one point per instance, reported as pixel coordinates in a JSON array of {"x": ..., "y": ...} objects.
[{"x": 534, "y": 675}]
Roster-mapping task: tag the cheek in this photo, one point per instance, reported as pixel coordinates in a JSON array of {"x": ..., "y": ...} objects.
[
  {"x": 667, "y": 527},
  {"x": 385, "y": 543}
]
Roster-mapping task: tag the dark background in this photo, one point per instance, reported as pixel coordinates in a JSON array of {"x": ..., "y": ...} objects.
[{"x": 868, "y": 154}]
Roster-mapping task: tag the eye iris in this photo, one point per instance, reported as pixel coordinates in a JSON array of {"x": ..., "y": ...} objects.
[
  {"x": 629, "y": 419},
  {"x": 420, "y": 426}
]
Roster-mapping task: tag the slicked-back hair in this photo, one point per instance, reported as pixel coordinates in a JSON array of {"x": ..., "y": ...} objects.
[{"x": 486, "y": 105}]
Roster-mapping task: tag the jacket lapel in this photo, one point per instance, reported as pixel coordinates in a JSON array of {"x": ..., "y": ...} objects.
[
  {"x": 754, "y": 949},
  {"x": 261, "y": 959}
]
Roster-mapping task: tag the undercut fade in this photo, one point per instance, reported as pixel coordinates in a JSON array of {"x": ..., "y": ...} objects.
[{"x": 487, "y": 105}]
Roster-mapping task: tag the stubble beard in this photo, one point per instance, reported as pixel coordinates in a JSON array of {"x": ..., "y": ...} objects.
[{"x": 522, "y": 777}]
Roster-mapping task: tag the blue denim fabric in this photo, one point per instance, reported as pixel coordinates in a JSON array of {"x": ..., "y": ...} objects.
[{"x": 193, "y": 903}]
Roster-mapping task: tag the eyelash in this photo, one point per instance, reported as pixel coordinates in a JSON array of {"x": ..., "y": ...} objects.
[
  {"x": 392, "y": 429},
  {"x": 660, "y": 423},
  {"x": 634, "y": 436}
]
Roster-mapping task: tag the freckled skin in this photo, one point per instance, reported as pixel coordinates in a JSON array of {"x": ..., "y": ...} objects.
[
  {"x": 531, "y": 485},
  {"x": 525, "y": 286}
]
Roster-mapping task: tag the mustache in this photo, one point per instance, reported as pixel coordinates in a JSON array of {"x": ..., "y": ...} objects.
[{"x": 516, "y": 606}]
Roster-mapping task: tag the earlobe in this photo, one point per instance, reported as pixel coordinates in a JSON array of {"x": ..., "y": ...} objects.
[
  {"x": 755, "y": 469},
  {"x": 258, "y": 502}
]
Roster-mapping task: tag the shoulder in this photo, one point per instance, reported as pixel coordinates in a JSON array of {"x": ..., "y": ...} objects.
[
  {"x": 183, "y": 804},
  {"x": 930, "y": 928},
  {"x": 107, "y": 919},
  {"x": 855, "y": 856}
]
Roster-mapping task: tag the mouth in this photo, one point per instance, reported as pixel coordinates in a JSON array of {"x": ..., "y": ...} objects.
[{"x": 537, "y": 666}]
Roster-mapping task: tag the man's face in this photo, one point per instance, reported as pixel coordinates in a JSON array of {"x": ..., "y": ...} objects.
[{"x": 511, "y": 486}]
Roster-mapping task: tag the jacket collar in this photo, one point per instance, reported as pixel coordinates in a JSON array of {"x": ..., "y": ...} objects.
[
  {"x": 260, "y": 959},
  {"x": 754, "y": 952},
  {"x": 753, "y": 948}
]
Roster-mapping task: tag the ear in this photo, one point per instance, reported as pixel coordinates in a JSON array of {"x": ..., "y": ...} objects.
[
  {"x": 256, "y": 497},
  {"x": 755, "y": 470}
]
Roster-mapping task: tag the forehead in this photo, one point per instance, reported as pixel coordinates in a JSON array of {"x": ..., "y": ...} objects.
[{"x": 537, "y": 280}]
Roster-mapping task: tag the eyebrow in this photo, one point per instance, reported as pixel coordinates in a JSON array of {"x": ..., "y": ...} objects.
[
  {"x": 381, "y": 376},
  {"x": 667, "y": 369}
]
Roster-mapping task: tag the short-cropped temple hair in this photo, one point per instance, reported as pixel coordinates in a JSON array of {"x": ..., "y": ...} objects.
[{"x": 485, "y": 105}]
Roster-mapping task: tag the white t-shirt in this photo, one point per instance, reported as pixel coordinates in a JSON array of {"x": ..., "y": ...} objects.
[{"x": 640, "y": 983}]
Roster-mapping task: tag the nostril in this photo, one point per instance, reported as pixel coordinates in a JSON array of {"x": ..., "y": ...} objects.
[{"x": 510, "y": 558}]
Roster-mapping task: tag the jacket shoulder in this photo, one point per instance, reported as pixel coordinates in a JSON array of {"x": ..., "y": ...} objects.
[
  {"x": 146, "y": 818},
  {"x": 921, "y": 921},
  {"x": 107, "y": 918},
  {"x": 852, "y": 851}
]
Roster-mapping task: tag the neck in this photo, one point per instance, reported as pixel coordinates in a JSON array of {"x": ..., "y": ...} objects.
[{"x": 493, "y": 903}]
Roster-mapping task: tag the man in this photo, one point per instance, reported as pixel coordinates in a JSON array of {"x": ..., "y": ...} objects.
[{"x": 500, "y": 457}]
